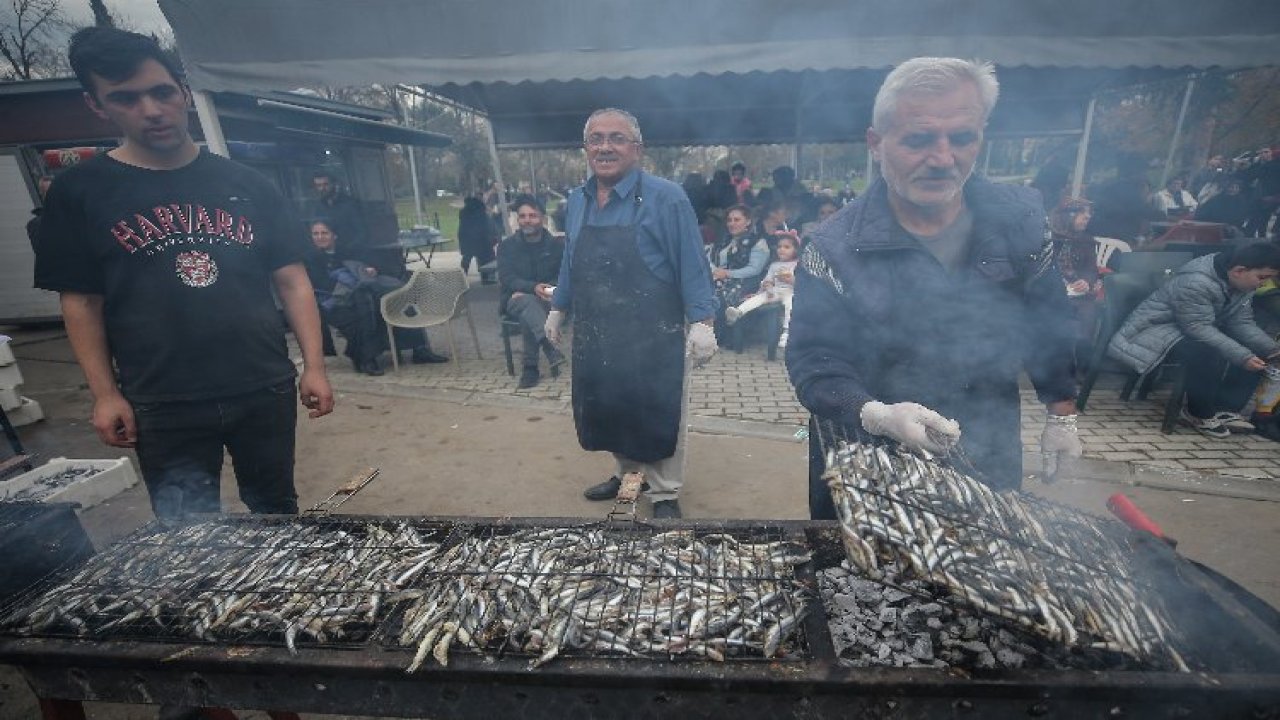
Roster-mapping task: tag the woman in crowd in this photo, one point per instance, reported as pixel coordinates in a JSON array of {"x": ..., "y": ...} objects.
[
  {"x": 349, "y": 293},
  {"x": 739, "y": 263},
  {"x": 1076, "y": 255}
]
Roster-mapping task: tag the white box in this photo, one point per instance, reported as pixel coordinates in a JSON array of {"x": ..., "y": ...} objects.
[
  {"x": 10, "y": 376},
  {"x": 107, "y": 479},
  {"x": 6, "y": 352},
  {"x": 9, "y": 398},
  {"x": 26, "y": 413}
]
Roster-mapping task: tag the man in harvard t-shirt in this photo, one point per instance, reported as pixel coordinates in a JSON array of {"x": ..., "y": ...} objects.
[{"x": 165, "y": 257}]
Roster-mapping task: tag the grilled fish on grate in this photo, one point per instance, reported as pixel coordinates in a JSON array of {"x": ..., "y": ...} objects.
[{"x": 1051, "y": 570}]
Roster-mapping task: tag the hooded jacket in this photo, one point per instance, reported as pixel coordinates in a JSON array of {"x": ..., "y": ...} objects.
[
  {"x": 876, "y": 316},
  {"x": 1197, "y": 303}
]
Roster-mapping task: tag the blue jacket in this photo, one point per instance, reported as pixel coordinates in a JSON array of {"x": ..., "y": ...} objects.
[{"x": 876, "y": 316}]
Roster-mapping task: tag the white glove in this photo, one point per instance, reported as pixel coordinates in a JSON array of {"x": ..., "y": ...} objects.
[
  {"x": 1059, "y": 440},
  {"x": 700, "y": 344},
  {"x": 911, "y": 424},
  {"x": 552, "y": 327}
]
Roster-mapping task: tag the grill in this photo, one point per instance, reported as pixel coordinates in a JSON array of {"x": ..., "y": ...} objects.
[
  {"x": 363, "y": 670},
  {"x": 1056, "y": 572},
  {"x": 36, "y": 541}
]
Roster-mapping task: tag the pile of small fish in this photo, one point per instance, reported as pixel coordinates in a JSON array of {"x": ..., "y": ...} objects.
[
  {"x": 228, "y": 582},
  {"x": 1060, "y": 578},
  {"x": 529, "y": 591},
  {"x": 46, "y": 485},
  {"x": 541, "y": 591}
]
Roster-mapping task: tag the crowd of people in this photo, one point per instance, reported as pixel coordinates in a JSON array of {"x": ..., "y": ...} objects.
[{"x": 910, "y": 312}]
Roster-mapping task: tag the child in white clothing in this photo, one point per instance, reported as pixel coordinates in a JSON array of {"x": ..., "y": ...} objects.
[{"x": 777, "y": 286}]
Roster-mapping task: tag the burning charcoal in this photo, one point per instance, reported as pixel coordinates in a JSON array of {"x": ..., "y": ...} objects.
[
  {"x": 922, "y": 647},
  {"x": 894, "y": 595},
  {"x": 1010, "y": 659}
]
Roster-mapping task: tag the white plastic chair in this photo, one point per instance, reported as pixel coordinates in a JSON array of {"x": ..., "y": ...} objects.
[
  {"x": 433, "y": 296},
  {"x": 1107, "y": 247}
]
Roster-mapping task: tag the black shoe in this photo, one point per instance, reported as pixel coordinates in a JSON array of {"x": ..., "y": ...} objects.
[
  {"x": 606, "y": 490},
  {"x": 422, "y": 356},
  {"x": 528, "y": 378},
  {"x": 667, "y": 510},
  {"x": 1268, "y": 427},
  {"x": 555, "y": 358},
  {"x": 370, "y": 368}
]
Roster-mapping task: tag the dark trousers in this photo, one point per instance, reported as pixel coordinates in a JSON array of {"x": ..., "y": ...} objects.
[
  {"x": 1212, "y": 384},
  {"x": 531, "y": 313},
  {"x": 180, "y": 448},
  {"x": 359, "y": 319}
]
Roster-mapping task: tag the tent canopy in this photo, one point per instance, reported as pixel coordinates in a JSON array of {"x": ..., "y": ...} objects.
[{"x": 711, "y": 71}]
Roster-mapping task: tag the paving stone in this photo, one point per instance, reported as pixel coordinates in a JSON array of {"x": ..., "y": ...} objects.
[
  {"x": 1250, "y": 472},
  {"x": 1123, "y": 456},
  {"x": 1195, "y": 464},
  {"x": 1213, "y": 454}
]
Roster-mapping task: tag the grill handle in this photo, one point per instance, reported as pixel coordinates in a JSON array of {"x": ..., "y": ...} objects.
[{"x": 1122, "y": 507}]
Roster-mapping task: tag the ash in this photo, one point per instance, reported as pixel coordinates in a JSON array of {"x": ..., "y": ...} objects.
[{"x": 875, "y": 625}]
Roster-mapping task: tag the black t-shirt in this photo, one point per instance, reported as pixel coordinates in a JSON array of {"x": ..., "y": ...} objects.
[{"x": 183, "y": 259}]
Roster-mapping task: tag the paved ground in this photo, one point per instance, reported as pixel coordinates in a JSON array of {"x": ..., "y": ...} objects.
[{"x": 748, "y": 387}]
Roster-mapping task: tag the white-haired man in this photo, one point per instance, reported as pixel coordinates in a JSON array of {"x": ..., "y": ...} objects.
[
  {"x": 917, "y": 305},
  {"x": 635, "y": 276}
]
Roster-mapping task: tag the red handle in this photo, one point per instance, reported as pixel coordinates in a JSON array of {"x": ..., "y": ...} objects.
[{"x": 1122, "y": 507}]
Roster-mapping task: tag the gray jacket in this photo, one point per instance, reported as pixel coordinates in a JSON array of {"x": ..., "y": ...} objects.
[{"x": 1196, "y": 303}]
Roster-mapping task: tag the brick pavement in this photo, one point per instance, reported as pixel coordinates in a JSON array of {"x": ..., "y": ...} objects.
[{"x": 747, "y": 387}]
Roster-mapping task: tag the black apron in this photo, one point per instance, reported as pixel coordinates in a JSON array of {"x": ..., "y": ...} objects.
[{"x": 628, "y": 345}]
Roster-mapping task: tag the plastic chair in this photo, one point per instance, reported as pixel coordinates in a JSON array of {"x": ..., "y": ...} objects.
[
  {"x": 1108, "y": 247},
  {"x": 1122, "y": 294},
  {"x": 508, "y": 328},
  {"x": 433, "y": 296}
]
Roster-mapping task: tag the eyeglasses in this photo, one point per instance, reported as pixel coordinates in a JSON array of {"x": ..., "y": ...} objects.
[{"x": 616, "y": 140}]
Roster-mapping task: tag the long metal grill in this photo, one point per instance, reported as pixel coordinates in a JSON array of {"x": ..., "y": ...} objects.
[
  {"x": 435, "y": 587},
  {"x": 1052, "y": 570}
]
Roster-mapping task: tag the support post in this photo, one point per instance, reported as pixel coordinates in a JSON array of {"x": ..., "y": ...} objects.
[
  {"x": 497, "y": 174},
  {"x": 413, "y": 168},
  {"x": 1177, "y": 132},
  {"x": 533, "y": 173},
  {"x": 1082, "y": 152},
  {"x": 208, "y": 114}
]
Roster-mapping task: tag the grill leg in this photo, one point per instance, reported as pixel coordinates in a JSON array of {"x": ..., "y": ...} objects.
[{"x": 61, "y": 709}]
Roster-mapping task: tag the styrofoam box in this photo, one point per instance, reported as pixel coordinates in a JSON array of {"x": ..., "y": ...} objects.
[
  {"x": 6, "y": 352},
  {"x": 27, "y": 412},
  {"x": 111, "y": 478},
  {"x": 10, "y": 376},
  {"x": 9, "y": 398}
]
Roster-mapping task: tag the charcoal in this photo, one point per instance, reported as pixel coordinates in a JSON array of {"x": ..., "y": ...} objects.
[
  {"x": 1010, "y": 659},
  {"x": 894, "y": 595},
  {"x": 931, "y": 609},
  {"x": 846, "y": 603},
  {"x": 889, "y": 615},
  {"x": 883, "y": 652},
  {"x": 970, "y": 628},
  {"x": 933, "y": 623},
  {"x": 975, "y": 646},
  {"x": 986, "y": 660},
  {"x": 922, "y": 647}
]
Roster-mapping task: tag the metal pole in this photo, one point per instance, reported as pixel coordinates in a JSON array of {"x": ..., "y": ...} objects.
[
  {"x": 1082, "y": 152},
  {"x": 209, "y": 124},
  {"x": 497, "y": 175},
  {"x": 986, "y": 160},
  {"x": 871, "y": 165},
  {"x": 1177, "y": 132},
  {"x": 533, "y": 173},
  {"x": 413, "y": 168}
]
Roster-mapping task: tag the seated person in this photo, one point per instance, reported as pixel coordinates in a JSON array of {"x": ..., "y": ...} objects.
[
  {"x": 1075, "y": 253},
  {"x": 827, "y": 206},
  {"x": 1173, "y": 200},
  {"x": 528, "y": 264},
  {"x": 1233, "y": 206},
  {"x": 739, "y": 263},
  {"x": 1203, "y": 318},
  {"x": 349, "y": 293},
  {"x": 777, "y": 286}
]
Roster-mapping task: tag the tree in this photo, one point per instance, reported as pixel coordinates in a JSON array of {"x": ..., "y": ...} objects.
[
  {"x": 27, "y": 39},
  {"x": 101, "y": 16}
]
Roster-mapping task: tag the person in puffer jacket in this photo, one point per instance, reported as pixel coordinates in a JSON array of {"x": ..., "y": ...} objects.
[{"x": 1203, "y": 318}]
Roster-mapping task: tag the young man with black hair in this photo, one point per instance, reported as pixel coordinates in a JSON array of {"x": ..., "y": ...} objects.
[
  {"x": 165, "y": 257},
  {"x": 1203, "y": 317}
]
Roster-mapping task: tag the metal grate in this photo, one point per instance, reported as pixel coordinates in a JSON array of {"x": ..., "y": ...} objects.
[
  {"x": 595, "y": 590},
  {"x": 1052, "y": 570},
  {"x": 435, "y": 587}
]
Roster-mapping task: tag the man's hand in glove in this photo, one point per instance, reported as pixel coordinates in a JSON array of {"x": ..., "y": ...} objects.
[
  {"x": 552, "y": 327},
  {"x": 911, "y": 424},
  {"x": 1058, "y": 441},
  {"x": 700, "y": 345}
]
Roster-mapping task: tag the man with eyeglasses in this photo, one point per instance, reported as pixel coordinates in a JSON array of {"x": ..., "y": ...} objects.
[
  {"x": 640, "y": 292},
  {"x": 918, "y": 304}
]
